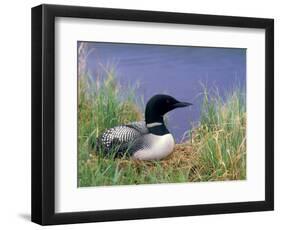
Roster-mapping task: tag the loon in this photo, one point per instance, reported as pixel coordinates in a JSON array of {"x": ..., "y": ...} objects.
[{"x": 143, "y": 140}]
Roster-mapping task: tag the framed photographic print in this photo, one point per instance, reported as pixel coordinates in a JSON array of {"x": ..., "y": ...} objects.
[{"x": 142, "y": 114}]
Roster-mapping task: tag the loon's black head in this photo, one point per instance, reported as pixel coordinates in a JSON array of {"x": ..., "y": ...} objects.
[{"x": 159, "y": 105}]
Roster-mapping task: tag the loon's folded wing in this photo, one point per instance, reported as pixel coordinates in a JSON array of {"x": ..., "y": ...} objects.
[
  {"x": 139, "y": 126},
  {"x": 120, "y": 139}
]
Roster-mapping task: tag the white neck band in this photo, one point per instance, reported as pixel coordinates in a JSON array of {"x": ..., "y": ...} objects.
[{"x": 150, "y": 125}]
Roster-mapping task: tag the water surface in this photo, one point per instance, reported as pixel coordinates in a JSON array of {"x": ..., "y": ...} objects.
[{"x": 175, "y": 70}]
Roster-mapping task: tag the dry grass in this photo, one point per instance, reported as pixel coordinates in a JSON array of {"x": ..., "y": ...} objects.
[{"x": 183, "y": 157}]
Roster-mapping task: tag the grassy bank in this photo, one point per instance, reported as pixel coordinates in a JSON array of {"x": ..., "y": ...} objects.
[{"x": 216, "y": 149}]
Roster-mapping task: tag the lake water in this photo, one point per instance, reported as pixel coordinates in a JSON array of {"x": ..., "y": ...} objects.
[{"x": 174, "y": 70}]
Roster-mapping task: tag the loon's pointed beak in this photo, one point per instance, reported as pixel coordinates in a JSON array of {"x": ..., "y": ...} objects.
[{"x": 181, "y": 104}]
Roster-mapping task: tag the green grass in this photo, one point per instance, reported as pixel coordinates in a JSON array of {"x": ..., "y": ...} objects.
[
  {"x": 102, "y": 171},
  {"x": 215, "y": 151},
  {"x": 101, "y": 106},
  {"x": 220, "y": 139}
]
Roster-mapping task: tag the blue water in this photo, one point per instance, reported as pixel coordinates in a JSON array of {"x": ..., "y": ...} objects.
[{"x": 174, "y": 70}]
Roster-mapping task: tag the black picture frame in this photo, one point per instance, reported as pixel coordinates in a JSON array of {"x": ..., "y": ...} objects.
[{"x": 43, "y": 114}]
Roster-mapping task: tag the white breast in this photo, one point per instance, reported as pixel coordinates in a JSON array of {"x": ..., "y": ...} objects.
[{"x": 159, "y": 148}]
